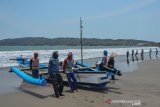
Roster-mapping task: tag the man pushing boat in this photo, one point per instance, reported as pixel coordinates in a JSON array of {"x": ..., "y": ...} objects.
[
  {"x": 34, "y": 64},
  {"x": 109, "y": 66},
  {"x": 104, "y": 63},
  {"x": 54, "y": 73},
  {"x": 67, "y": 69}
]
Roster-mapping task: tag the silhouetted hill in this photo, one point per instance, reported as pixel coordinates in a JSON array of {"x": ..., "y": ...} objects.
[{"x": 38, "y": 41}]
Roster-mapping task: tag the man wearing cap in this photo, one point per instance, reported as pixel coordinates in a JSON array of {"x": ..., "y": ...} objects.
[
  {"x": 34, "y": 62},
  {"x": 109, "y": 66},
  {"x": 103, "y": 63},
  {"x": 67, "y": 69}
]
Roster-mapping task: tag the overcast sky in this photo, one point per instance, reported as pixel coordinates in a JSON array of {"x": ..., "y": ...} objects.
[{"x": 115, "y": 19}]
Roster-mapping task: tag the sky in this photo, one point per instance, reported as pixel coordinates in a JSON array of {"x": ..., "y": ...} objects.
[{"x": 109, "y": 19}]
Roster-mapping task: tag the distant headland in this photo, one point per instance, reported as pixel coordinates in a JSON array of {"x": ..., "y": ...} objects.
[{"x": 41, "y": 41}]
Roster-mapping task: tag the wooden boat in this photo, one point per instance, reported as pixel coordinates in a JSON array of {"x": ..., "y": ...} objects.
[{"x": 85, "y": 76}]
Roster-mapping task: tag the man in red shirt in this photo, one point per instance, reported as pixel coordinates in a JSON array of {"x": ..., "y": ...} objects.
[{"x": 67, "y": 69}]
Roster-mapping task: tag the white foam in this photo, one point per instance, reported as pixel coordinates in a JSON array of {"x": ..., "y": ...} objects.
[{"x": 45, "y": 54}]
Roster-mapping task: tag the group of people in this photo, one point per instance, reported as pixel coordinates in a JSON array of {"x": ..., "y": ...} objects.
[
  {"x": 108, "y": 65},
  {"x": 141, "y": 54},
  {"x": 54, "y": 72},
  {"x": 54, "y": 67}
]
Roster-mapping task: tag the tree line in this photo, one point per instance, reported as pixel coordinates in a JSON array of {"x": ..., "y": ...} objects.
[{"x": 41, "y": 41}]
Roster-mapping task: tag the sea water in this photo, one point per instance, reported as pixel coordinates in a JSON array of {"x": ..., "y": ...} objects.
[{"x": 45, "y": 52}]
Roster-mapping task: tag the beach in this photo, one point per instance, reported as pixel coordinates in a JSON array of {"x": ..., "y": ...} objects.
[
  {"x": 137, "y": 88},
  {"x": 82, "y": 53}
]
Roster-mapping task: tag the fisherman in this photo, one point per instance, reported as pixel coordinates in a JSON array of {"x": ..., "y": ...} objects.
[
  {"x": 142, "y": 54},
  {"x": 108, "y": 66},
  {"x": 103, "y": 64},
  {"x": 54, "y": 73},
  {"x": 132, "y": 53},
  {"x": 150, "y": 52},
  {"x": 34, "y": 62},
  {"x": 136, "y": 53},
  {"x": 156, "y": 52},
  {"x": 127, "y": 53},
  {"x": 67, "y": 69},
  {"x": 111, "y": 65}
]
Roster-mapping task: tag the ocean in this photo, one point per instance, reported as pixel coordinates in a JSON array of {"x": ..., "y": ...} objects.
[{"x": 45, "y": 52}]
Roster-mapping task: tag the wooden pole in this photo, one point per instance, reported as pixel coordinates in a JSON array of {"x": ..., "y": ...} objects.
[{"x": 81, "y": 40}]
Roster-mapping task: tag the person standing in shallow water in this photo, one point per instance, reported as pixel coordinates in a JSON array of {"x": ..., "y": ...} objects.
[
  {"x": 54, "y": 73},
  {"x": 127, "y": 53},
  {"x": 34, "y": 64},
  {"x": 142, "y": 55},
  {"x": 150, "y": 53},
  {"x": 133, "y": 55},
  {"x": 156, "y": 52},
  {"x": 136, "y": 55}
]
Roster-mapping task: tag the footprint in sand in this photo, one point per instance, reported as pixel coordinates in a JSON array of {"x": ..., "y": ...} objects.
[
  {"x": 103, "y": 95},
  {"x": 143, "y": 104},
  {"x": 97, "y": 96},
  {"x": 92, "y": 101},
  {"x": 137, "y": 95},
  {"x": 85, "y": 97},
  {"x": 74, "y": 97},
  {"x": 86, "y": 100}
]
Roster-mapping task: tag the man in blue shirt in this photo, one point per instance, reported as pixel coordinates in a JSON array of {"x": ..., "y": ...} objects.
[{"x": 54, "y": 73}]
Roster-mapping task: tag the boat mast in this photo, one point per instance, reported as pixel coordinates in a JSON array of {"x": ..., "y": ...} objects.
[{"x": 81, "y": 27}]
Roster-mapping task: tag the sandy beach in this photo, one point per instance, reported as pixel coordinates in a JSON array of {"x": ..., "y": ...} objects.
[
  {"x": 142, "y": 85},
  {"x": 98, "y": 53}
]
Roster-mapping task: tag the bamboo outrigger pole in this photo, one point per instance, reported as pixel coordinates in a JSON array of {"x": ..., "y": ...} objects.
[{"x": 81, "y": 27}]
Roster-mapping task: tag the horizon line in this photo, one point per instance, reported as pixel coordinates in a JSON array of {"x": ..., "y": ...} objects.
[{"x": 79, "y": 38}]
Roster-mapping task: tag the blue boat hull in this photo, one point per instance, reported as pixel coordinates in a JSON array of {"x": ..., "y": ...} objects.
[{"x": 40, "y": 81}]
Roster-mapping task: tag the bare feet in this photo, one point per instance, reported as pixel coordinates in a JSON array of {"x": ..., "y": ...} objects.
[
  {"x": 60, "y": 97},
  {"x": 77, "y": 91}
]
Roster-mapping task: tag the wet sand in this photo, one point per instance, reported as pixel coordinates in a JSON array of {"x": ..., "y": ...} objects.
[
  {"x": 8, "y": 81},
  {"x": 142, "y": 84}
]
